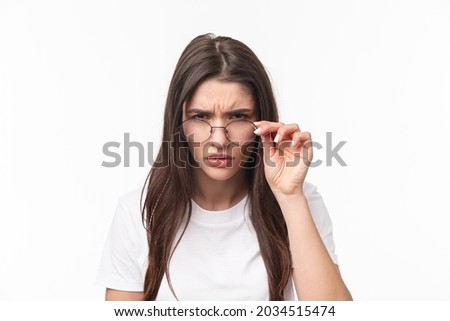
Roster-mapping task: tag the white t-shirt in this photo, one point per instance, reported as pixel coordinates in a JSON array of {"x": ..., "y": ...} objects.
[{"x": 218, "y": 257}]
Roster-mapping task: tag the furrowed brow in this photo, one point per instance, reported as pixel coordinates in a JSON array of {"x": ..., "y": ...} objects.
[
  {"x": 198, "y": 111},
  {"x": 240, "y": 111}
]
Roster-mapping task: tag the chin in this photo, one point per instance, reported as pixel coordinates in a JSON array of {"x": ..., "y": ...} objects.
[{"x": 219, "y": 174}]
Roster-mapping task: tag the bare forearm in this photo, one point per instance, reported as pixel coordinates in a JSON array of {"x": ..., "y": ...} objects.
[{"x": 315, "y": 275}]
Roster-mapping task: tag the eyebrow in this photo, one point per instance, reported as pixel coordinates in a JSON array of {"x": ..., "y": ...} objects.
[{"x": 231, "y": 112}]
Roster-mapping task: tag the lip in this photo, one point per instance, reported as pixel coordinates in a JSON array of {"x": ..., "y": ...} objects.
[
  {"x": 219, "y": 161},
  {"x": 218, "y": 156}
]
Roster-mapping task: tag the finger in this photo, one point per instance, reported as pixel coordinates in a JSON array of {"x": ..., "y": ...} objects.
[
  {"x": 300, "y": 139},
  {"x": 303, "y": 140},
  {"x": 267, "y": 127},
  {"x": 286, "y": 132},
  {"x": 268, "y": 145}
]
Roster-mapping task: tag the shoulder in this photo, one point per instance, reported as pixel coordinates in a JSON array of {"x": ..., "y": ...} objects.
[
  {"x": 131, "y": 198},
  {"x": 317, "y": 207},
  {"x": 321, "y": 217},
  {"x": 309, "y": 189},
  {"x": 123, "y": 261},
  {"x": 129, "y": 210}
]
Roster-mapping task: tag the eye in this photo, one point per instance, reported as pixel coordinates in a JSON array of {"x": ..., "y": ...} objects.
[
  {"x": 199, "y": 116},
  {"x": 238, "y": 116}
]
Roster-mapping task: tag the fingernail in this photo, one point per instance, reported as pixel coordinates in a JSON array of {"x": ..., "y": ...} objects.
[
  {"x": 257, "y": 123},
  {"x": 277, "y": 138},
  {"x": 257, "y": 131}
]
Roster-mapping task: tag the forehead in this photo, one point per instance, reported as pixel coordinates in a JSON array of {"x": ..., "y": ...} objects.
[{"x": 212, "y": 94}]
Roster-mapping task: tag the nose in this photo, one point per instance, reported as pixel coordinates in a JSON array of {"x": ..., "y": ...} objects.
[{"x": 218, "y": 135}]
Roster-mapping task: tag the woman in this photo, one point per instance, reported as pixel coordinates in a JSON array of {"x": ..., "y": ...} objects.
[{"x": 226, "y": 212}]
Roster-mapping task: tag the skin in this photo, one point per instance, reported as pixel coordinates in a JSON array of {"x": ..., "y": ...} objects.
[
  {"x": 219, "y": 188},
  {"x": 315, "y": 275}
]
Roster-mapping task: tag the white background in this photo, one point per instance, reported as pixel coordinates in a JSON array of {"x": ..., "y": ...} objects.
[{"x": 77, "y": 74}]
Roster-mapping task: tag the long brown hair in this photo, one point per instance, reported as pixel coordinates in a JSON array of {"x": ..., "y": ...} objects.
[{"x": 168, "y": 188}]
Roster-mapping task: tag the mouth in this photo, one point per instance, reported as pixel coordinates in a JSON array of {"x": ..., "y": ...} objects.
[{"x": 219, "y": 161}]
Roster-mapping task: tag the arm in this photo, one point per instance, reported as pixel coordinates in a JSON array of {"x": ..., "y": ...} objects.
[
  {"x": 116, "y": 295},
  {"x": 315, "y": 275},
  {"x": 287, "y": 155}
]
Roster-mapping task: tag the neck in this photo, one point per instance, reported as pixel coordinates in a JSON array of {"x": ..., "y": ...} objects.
[{"x": 213, "y": 195}]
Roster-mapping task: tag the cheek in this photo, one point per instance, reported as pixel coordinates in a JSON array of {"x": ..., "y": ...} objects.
[
  {"x": 242, "y": 153},
  {"x": 239, "y": 152},
  {"x": 249, "y": 153},
  {"x": 196, "y": 151}
]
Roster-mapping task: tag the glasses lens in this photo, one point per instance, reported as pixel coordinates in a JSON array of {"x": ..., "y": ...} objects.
[
  {"x": 241, "y": 132},
  {"x": 195, "y": 130}
]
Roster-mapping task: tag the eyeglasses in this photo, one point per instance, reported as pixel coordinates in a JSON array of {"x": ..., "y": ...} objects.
[{"x": 239, "y": 131}]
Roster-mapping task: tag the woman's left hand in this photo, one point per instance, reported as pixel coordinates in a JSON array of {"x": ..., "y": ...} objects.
[{"x": 287, "y": 155}]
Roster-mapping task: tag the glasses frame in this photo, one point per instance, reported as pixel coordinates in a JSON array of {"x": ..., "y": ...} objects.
[{"x": 212, "y": 127}]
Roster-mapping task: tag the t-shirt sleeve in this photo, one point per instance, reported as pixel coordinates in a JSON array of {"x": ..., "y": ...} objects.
[
  {"x": 321, "y": 218},
  {"x": 119, "y": 267}
]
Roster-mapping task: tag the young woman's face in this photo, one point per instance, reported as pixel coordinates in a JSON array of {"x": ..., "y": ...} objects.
[{"x": 221, "y": 153}]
